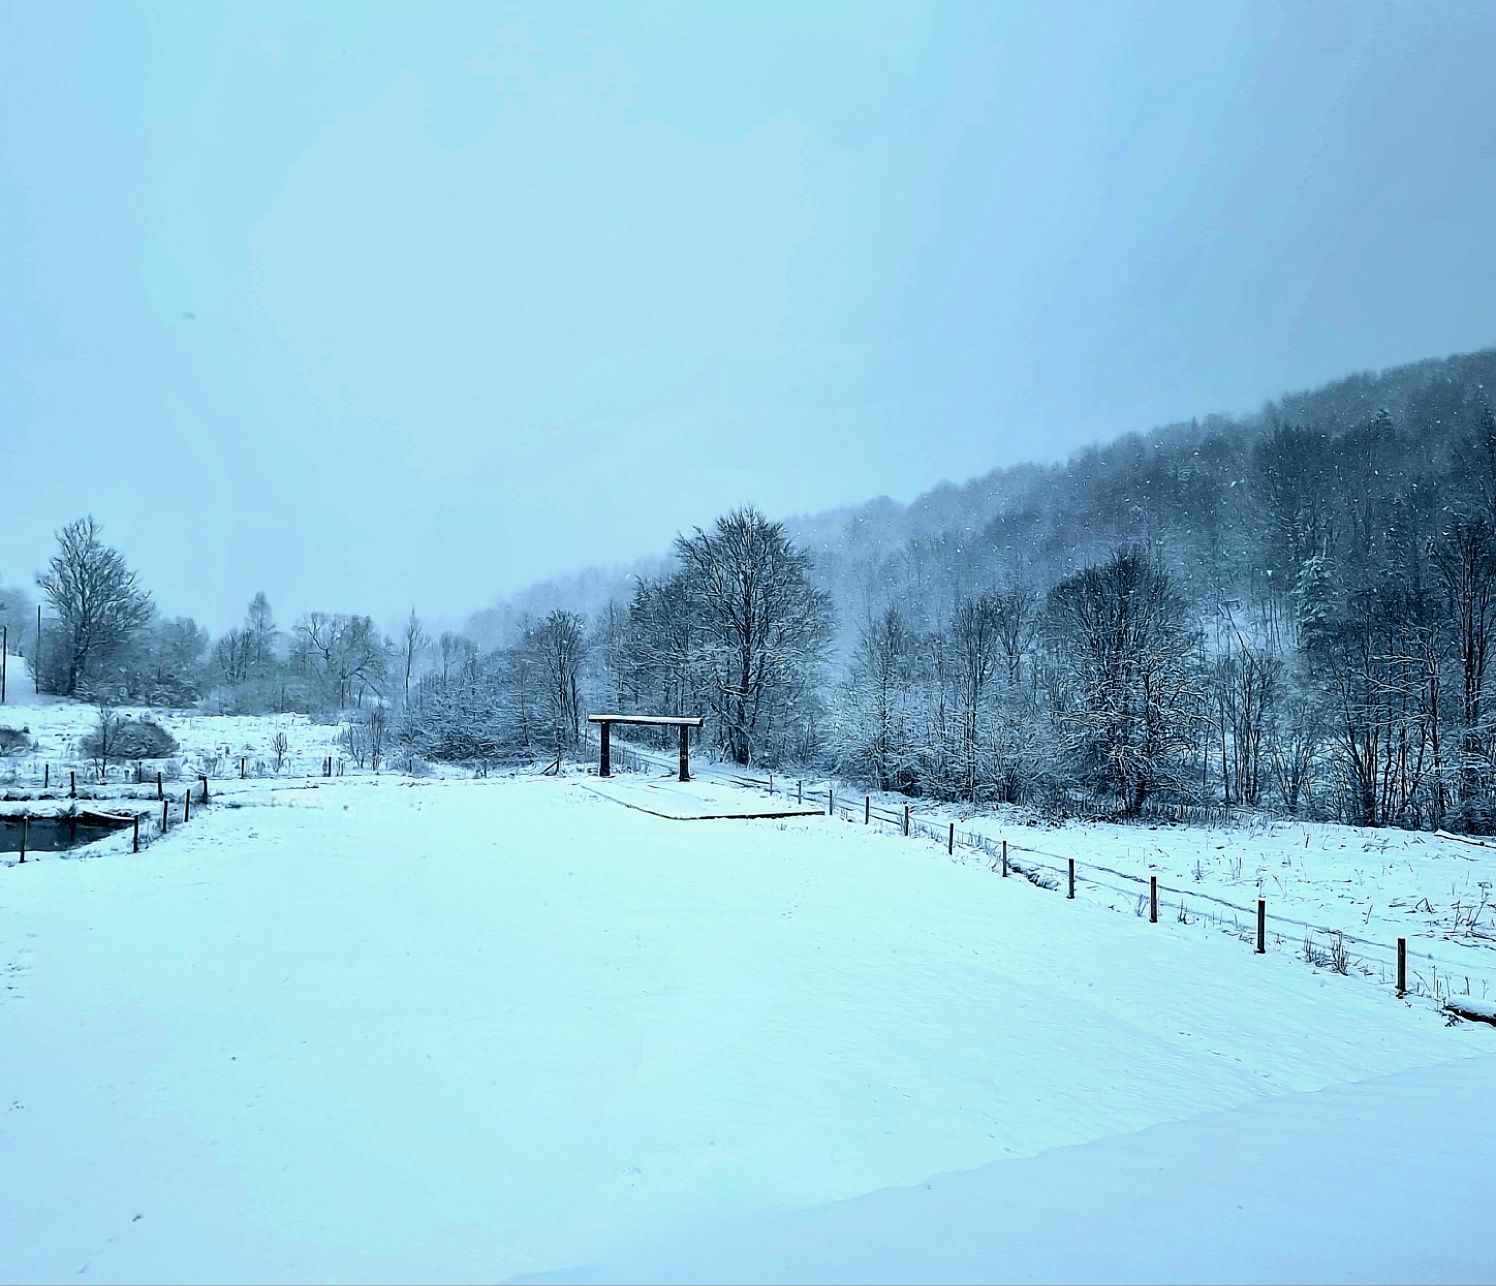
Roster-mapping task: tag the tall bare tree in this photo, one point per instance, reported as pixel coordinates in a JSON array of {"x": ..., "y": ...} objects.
[
  {"x": 413, "y": 642},
  {"x": 1465, "y": 558},
  {"x": 97, "y": 599},
  {"x": 557, "y": 647},
  {"x": 763, "y": 624},
  {"x": 1124, "y": 632}
]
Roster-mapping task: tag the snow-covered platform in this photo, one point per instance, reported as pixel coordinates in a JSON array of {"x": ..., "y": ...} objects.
[{"x": 697, "y": 801}]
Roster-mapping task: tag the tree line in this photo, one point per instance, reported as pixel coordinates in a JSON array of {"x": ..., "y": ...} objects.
[{"x": 1293, "y": 614}]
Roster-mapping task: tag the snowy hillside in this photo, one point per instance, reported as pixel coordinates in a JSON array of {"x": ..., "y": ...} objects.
[{"x": 453, "y": 1030}]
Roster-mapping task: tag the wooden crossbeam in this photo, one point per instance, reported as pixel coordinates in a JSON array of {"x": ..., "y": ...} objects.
[{"x": 685, "y": 722}]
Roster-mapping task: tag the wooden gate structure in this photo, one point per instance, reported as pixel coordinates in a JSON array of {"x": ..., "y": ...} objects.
[{"x": 605, "y": 724}]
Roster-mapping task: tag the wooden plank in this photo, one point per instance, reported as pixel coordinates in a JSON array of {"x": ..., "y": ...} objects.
[{"x": 657, "y": 721}]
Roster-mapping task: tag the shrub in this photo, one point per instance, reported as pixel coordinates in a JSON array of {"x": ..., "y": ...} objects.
[
  {"x": 13, "y": 741},
  {"x": 132, "y": 738}
]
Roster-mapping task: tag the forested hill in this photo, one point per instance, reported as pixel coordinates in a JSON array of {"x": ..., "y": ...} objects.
[{"x": 1229, "y": 503}]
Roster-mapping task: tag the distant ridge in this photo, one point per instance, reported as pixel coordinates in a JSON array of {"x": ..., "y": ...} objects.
[{"x": 1441, "y": 396}]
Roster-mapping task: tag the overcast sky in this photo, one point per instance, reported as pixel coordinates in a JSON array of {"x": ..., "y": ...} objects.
[{"x": 420, "y": 303}]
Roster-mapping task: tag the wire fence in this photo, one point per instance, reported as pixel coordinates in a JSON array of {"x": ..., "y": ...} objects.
[{"x": 1413, "y": 972}]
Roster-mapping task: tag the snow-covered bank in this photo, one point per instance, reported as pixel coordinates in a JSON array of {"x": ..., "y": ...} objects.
[
  {"x": 1385, "y": 1180},
  {"x": 471, "y": 1030}
]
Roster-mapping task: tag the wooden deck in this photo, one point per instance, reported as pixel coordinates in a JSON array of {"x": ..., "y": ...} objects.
[{"x": 695, "y": 801}]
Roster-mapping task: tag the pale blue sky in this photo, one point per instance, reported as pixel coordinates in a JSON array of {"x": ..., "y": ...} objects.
[{"x": 365, "y": 304}]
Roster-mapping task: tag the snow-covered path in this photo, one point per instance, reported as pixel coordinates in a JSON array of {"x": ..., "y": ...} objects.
[{"x": 462, "y": 1030}]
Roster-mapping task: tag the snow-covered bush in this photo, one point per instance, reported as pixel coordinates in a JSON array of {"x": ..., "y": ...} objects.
[
  {"x": 14, "y": 741},
  {"x": 130, "y": 738}
]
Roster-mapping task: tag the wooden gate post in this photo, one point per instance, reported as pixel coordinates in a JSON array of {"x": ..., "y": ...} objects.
[
  {"x": 605, "y": 751},
  {"x": 685, "y": 753}
]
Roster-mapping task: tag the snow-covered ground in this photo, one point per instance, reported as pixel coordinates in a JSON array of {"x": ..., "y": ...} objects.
[
  {"x": 206, "y": 743},
  {"x": 1369, "y": 886},
  {"x": 381, "y": 1029}
]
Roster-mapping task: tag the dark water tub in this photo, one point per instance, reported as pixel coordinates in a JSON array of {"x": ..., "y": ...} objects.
[{"x": 55, "y": 833}]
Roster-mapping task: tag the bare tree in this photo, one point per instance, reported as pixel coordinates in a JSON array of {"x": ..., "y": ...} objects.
[
  {"x": 1016, "y": 612},
  {"x": 413, "y": 641},
  {"x": 102, "y": 740},
  {"x": 363, "y": 738},
  {"x": 1123, "y": 632},
  {"x": 1465, "y": 558},
  {"x": 96, "y": 598},
  {"x": 456, "y": 652},
  {"x": 345, "y": 653},
  {"x": 880, "y": 694},
  {"x": 763, "y": 624},
  {"x": 975, "y": 647},
  {"x": 557, "y": 646},
  {"x": 259, "y": 626}
]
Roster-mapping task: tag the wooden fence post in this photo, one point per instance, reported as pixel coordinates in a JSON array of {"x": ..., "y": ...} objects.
[
  {"x": 950, "y": 842},
  {"x": 164, "y": 806},
  {"x": 1071, "y": 893},
  {"x": 830, "y": 801},
  {"x": 906, "y": 819},
  {"x": 46, "y": 776},
  {"x": 867, "y": 809},
  {"x": 1261, "y": 926},
  {"x": 160, "y": 794},
  {"x": 136, "y": 840},
  {"x": 25, "y": 835},
  {"x": 204, "y": 781},
  {"x": 1402, "y": 967},
  {"x": 1005, "y": 859},
  {"x": 72, "y": 785},
  {"x": 241, "y": 767},
  {"x": 799, "y": 792},
  {"x": 1153, "y": 899},
  {"x": 187, "y": 805}
]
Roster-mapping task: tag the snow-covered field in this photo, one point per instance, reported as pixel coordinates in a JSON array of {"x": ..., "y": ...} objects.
[
  {"x": 206, "y": 743},
  {"x": 381, "y": 1029},
  {"x": 1369, "y": 886}
]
